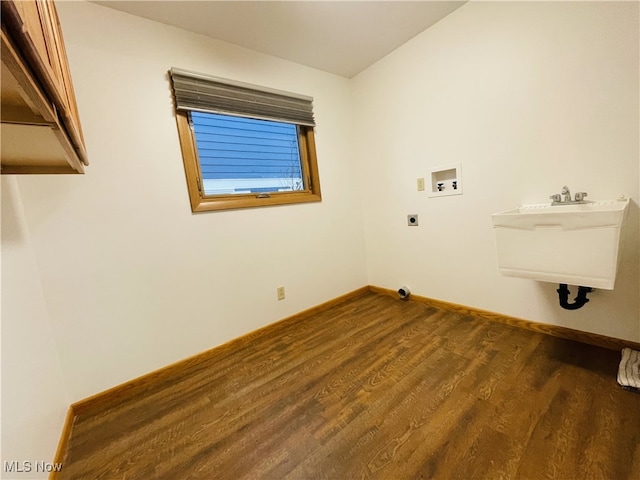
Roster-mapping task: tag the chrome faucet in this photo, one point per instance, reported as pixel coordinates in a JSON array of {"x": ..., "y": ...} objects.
[
  {"x": 580, "y": 197},
  {"x": 557, "y": 199}
]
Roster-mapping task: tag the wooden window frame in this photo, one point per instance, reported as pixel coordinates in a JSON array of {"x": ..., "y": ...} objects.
[{"x": 203, "y": 203}]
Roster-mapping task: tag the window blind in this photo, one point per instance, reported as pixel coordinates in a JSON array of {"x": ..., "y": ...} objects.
[{"x": 203, "y": 93}]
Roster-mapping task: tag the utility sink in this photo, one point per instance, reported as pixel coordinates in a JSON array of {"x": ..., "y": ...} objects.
[{"x": 576, "y": 244}]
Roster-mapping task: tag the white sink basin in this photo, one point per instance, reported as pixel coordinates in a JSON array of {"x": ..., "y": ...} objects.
[{"x": 573, "y": 244}]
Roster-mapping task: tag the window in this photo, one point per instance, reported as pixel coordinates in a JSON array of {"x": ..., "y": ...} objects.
[
  {"x": 244, "y": 155},
  {"x": 244, "y": 146}
]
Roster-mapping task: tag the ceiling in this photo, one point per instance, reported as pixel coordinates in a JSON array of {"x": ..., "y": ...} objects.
[{"x": 341, "y": 37}]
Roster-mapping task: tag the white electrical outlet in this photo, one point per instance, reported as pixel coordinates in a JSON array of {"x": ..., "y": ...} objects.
[
  {"x": 280, "y": 291},
  {"x": 421, "y": 184}
]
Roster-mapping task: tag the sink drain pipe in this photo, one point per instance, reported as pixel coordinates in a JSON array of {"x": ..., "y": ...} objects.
[{"x": 579, "y": 301}]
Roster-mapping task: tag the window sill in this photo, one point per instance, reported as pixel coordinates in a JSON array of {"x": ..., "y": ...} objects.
[{"x": 207, "y": 204}]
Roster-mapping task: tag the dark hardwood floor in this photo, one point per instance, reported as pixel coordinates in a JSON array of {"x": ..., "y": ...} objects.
[{"x": 374, "y": 388}]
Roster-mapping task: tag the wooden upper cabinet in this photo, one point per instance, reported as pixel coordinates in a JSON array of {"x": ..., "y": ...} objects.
[{"x": 41, "y": 130}]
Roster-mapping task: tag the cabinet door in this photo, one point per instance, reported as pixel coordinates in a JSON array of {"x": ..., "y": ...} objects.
[
  {"x": 60, "y": 66},
  {"x": 46, "y": 11},
  {"x": 33, "y": 23}
]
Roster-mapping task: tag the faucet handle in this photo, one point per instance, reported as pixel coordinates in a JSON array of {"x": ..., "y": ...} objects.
[
  {"x": 580, "y": 196},
  {"x": 555, "y": 198}
]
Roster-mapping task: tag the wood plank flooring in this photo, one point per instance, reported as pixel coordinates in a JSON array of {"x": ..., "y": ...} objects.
[{"x": 374, "y": 388}]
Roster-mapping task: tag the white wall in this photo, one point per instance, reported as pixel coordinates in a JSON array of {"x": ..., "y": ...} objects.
[
  {"x": 34, "y": 393},
  {"x": 528, "y": 97},
  {"x": 133, "y": 280},
  {"x": 108, "y": 275}
]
